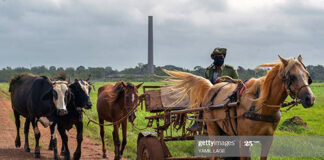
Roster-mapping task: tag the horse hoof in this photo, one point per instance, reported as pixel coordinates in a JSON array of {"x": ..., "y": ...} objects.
[
  {"x": 62, "y": 153},
  {"x": 27, "y": 149},
  {"x": 104, "y": 155},
  {"x": 57, "y": 158},
  {"x": 37, "y": 155},
  {"x": 117, "y": 158}
]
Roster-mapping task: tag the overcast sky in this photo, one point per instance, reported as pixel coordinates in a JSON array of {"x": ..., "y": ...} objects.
[{"x": 99, "y": 33}]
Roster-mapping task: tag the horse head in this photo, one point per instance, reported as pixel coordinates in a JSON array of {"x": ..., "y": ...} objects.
[
  {"x": 130, "y": 97},
  {"x": 298, "y": 80}
]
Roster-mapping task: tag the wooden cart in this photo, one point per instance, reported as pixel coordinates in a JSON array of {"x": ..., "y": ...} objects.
[{"x": 151, "y": 145}]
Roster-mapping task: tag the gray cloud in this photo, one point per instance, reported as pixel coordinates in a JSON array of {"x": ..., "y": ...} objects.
[{"x": 114, "y": 33}]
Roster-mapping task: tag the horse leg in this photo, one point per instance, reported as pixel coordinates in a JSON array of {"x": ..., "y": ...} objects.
[
  {"x": 64, "y": 142},
  {"x": 26, "y": 131},
  {"x": 17, "y": 121},
  {"x": 124, "y": 130},
  {"x": 37, "y": 136},
  {"x": 244, "y": 151},
  {"x": 265, "y": 147},
  {"x": 77, "y": 153},
  {"x": 102, "y": 135},
  {"x": 212, "y": 129},
  {"x": 116, "y": 142}
]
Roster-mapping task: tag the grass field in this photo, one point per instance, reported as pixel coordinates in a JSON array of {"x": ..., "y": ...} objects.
[{"x": 313, "y": 116}]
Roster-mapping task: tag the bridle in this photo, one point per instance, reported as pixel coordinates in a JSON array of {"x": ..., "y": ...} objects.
[{"x": 287, "y": 79}]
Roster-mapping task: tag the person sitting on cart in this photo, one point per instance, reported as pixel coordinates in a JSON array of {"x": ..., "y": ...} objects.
[
  {"x": 218, "y": 68},
  {"x": 215, "y": 70}
]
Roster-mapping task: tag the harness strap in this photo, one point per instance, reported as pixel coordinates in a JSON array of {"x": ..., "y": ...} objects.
[
  {"x": 259, "y": 117},
  {"x": 241, "y": 91},
  {"x": 230, "y": 120},
  {"x": 227, "y": 110},
  {"x": 215, "y": 94},
  {"x": 252, "y": 115}
]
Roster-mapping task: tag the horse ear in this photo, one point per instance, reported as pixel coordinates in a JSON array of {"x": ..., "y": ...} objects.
[
  {"x": 283, "y": 61},
  {"x": 300, "y": 59},
  {"x": 139, "y": 85}
]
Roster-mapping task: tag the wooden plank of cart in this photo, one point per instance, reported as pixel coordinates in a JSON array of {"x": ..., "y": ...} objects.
[{"x": 169, "y": 124}]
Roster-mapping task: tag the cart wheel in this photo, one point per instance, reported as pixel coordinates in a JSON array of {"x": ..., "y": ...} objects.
[{"x": 149, "y": 148}]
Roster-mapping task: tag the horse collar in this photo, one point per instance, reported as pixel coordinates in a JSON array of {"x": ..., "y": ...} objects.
[
  {"x": 264, "y": 118},
  {"x": 252, "y": 115}
]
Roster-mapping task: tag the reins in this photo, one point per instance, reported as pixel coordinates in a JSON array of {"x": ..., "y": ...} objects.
[{"x": 295, "y": 101}]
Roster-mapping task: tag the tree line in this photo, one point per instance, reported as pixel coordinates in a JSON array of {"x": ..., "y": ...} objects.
[{"x": 137, "y": 73}]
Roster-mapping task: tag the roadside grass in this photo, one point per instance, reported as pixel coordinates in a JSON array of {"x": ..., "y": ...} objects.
[
  {"x": 4, "y": 93},
  {"x": 313, "y": 116}
]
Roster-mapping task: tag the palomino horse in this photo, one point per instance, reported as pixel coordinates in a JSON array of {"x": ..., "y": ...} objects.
[
  {"x": 288, "y": 76},
  {"x": 115, "y": 103}
]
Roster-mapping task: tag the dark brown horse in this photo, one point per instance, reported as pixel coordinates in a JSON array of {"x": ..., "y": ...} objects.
[{"x": 116, "y": 103}]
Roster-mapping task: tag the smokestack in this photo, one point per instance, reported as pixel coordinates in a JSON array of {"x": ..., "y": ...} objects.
[{"x": 150, "y": 68}]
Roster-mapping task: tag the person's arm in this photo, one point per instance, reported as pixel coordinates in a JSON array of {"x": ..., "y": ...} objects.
[
  {"x": 207, "y": 76},
  {"x": 235, "y": 74}
]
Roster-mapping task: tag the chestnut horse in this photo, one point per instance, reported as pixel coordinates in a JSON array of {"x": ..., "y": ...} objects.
[
  {"x": 115, "y": 104},
  {"x": 287, "y": 77}
]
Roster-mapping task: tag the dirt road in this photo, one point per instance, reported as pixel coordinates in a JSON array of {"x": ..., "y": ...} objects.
[{"x": 90, "y": 148}]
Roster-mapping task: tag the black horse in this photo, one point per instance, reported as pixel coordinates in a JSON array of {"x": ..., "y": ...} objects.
[
  {"x": 80, "y": 90},
  {"x": 37, "y": 98}
]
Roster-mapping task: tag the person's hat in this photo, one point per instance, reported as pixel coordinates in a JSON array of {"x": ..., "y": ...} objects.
[{"x": 218, "y": 51}]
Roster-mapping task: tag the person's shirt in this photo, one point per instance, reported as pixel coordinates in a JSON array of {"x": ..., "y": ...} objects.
[
  {"x": 225, "y": 70},
  {"x": 214, "y": 77}
]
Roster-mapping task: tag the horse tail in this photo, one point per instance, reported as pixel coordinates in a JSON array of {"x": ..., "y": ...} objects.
[{"x": 188, "y": 84}]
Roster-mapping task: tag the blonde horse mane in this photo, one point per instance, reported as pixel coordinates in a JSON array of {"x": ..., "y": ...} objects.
[{"x": 188, "y": 84}]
